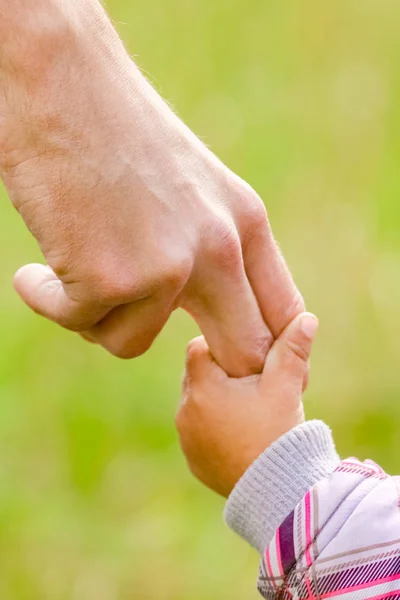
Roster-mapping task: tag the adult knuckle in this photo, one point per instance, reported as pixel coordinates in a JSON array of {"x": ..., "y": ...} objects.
[
  {"x": 109, "y": 286},
  {"x": 255, "y": 358},
  {"x": 298, "y": 304},
  {"x": 97, "y": 282},
  {"x": 294, "y": 306},
  {"x": 176, "y": 273},
  {"x": 250, "y": 209},
  {"x": 223, "y": 248},
  {"x": 167, "y": 279},
  {"x": 298, "y": 350},
  {"x": 255, "y": 213}
]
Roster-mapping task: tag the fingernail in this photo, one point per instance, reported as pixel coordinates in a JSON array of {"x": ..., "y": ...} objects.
[{"x": 309, "y": 325}]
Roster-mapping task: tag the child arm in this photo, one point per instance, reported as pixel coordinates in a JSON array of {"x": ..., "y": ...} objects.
[{"x": 324, "y": 528}]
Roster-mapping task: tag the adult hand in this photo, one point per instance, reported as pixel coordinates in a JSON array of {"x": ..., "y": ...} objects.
[{"x": 134, "y": 215}]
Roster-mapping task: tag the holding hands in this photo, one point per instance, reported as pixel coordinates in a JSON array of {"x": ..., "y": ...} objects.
[
  {"x": 225, "y": 423},
  {"x": 134, "y": 214},
  {"x": 136, "y": 217}
]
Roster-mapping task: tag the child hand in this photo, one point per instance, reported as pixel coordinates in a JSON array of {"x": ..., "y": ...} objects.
[{"x": 224, "y": 423}]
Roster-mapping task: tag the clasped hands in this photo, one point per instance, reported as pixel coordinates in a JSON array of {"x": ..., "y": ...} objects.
[{"x": 133, "y": 213}]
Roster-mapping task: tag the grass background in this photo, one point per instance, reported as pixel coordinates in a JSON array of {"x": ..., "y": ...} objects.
[{"x": 302, "y": 99}]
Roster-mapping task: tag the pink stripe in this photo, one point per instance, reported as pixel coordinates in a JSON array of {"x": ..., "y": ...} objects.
[
  {"x": 278, "y": 553},
  {"x": 309, "y": 590},
  {"x": 307, "y": 501},
  {"x": 385, "y": 595},
  {"x": 364, "y": 586},
  {"x": 269, "y": 567}
]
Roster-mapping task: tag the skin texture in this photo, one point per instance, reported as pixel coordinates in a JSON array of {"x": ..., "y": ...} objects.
[
  {"x": 224, "y": 424},
  {"x": 134, "y": 215}
]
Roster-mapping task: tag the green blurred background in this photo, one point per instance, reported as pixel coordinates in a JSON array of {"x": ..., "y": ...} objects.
[{"x": 302, "y": 99}]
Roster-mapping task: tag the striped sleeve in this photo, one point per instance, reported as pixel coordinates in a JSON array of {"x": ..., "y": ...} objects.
[{"x": 341, "y": 541}]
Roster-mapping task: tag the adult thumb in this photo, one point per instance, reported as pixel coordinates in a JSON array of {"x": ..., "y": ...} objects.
[
  {"x": 287, "y": 361},
  {"x": 45, "y": 294}
]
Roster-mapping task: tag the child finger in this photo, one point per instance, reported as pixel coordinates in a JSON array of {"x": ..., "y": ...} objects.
[
  {"x": 200, "y": 363},
  {"x": 288, "y": 358}
]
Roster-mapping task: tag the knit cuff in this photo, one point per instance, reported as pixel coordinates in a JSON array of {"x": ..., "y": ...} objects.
[{"x": 277, "y": 481}]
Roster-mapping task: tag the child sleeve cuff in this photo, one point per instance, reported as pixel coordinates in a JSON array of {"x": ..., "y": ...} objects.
[{"x": 277, "y": 481}]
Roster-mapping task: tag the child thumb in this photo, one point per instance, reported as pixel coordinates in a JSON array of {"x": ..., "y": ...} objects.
[{"x": 288, "y": 357}]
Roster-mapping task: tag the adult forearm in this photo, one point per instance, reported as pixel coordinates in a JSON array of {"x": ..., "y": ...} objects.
[
  {"x": 36, "y": 34},
  {"x": 49, "y": 45}
]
